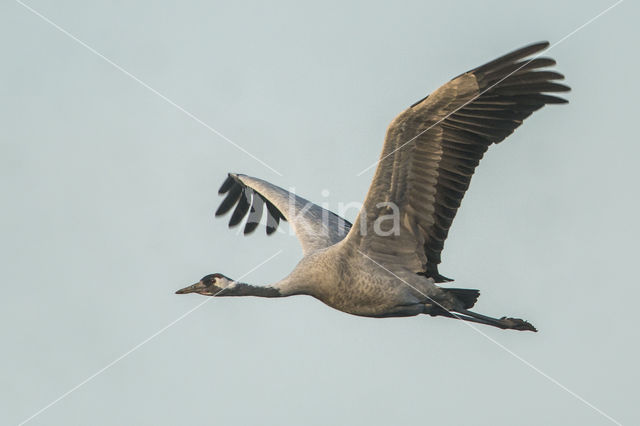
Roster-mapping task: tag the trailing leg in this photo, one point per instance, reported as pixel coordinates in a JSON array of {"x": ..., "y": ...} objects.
[
  {"x": 466, "y": 315},
  {"x": 504, "y": 322}
]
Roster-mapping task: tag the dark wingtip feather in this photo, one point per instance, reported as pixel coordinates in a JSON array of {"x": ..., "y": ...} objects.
[
  {"x": 513, "y": 56},
  {"x": 232, "y": 197},
  {"x": 241, "y": 209},
  {"x": 250, "y": 227},
  {"x": 541, "y": 45},
  {"x": 255, "y": 214},
  {"x": 273, "y": 218},
  {"x": 529, "y": 89},
  {"x": 272, "y": 225},
  {"x": 541, "y": 99},
  {"x": 226, "y": 185}
]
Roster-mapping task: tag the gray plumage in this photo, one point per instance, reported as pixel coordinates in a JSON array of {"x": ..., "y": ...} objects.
[{"x": 382, "y": 268}]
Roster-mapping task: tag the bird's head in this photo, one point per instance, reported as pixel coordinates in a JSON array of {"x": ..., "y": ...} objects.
[{"x": 209, "y": 285}]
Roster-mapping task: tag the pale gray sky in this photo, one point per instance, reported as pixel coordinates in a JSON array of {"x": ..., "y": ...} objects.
[{"x": 108, "y": 194}]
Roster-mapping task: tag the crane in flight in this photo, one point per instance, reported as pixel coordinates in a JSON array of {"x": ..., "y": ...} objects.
[{"x": 386, "y": 263}]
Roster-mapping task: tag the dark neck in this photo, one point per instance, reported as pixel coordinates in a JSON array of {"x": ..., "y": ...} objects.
[{"x": 244, "y": 289}]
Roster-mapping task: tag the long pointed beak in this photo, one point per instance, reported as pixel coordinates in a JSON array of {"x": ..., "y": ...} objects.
[{"x": 192, "y": 288}]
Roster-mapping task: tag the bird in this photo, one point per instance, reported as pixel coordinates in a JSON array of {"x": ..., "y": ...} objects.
[{"x": 385, "y": 264}]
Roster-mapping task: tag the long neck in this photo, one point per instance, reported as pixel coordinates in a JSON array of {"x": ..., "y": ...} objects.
[{"x": 244, "y": 289}]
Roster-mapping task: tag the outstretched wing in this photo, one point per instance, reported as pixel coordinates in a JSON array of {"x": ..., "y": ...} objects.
[
  {"x": 431, "y": 151},
  {"x": 315, "y": 227}
]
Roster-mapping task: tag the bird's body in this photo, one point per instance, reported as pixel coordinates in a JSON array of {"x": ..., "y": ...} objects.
[
  {"x": 386, "y": 263},
  {"x": 346, "y": 281}
]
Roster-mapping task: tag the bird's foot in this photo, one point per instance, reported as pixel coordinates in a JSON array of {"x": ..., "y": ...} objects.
[{"x": 517, "y": 324}]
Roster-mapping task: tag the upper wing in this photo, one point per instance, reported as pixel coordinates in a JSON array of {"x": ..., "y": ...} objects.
[
  {"x": 432, "y": 149},
  {"x": 315, "y": 227}
]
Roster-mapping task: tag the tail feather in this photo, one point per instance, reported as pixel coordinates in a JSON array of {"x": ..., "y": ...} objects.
[{"x": 468, "y": 297}]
